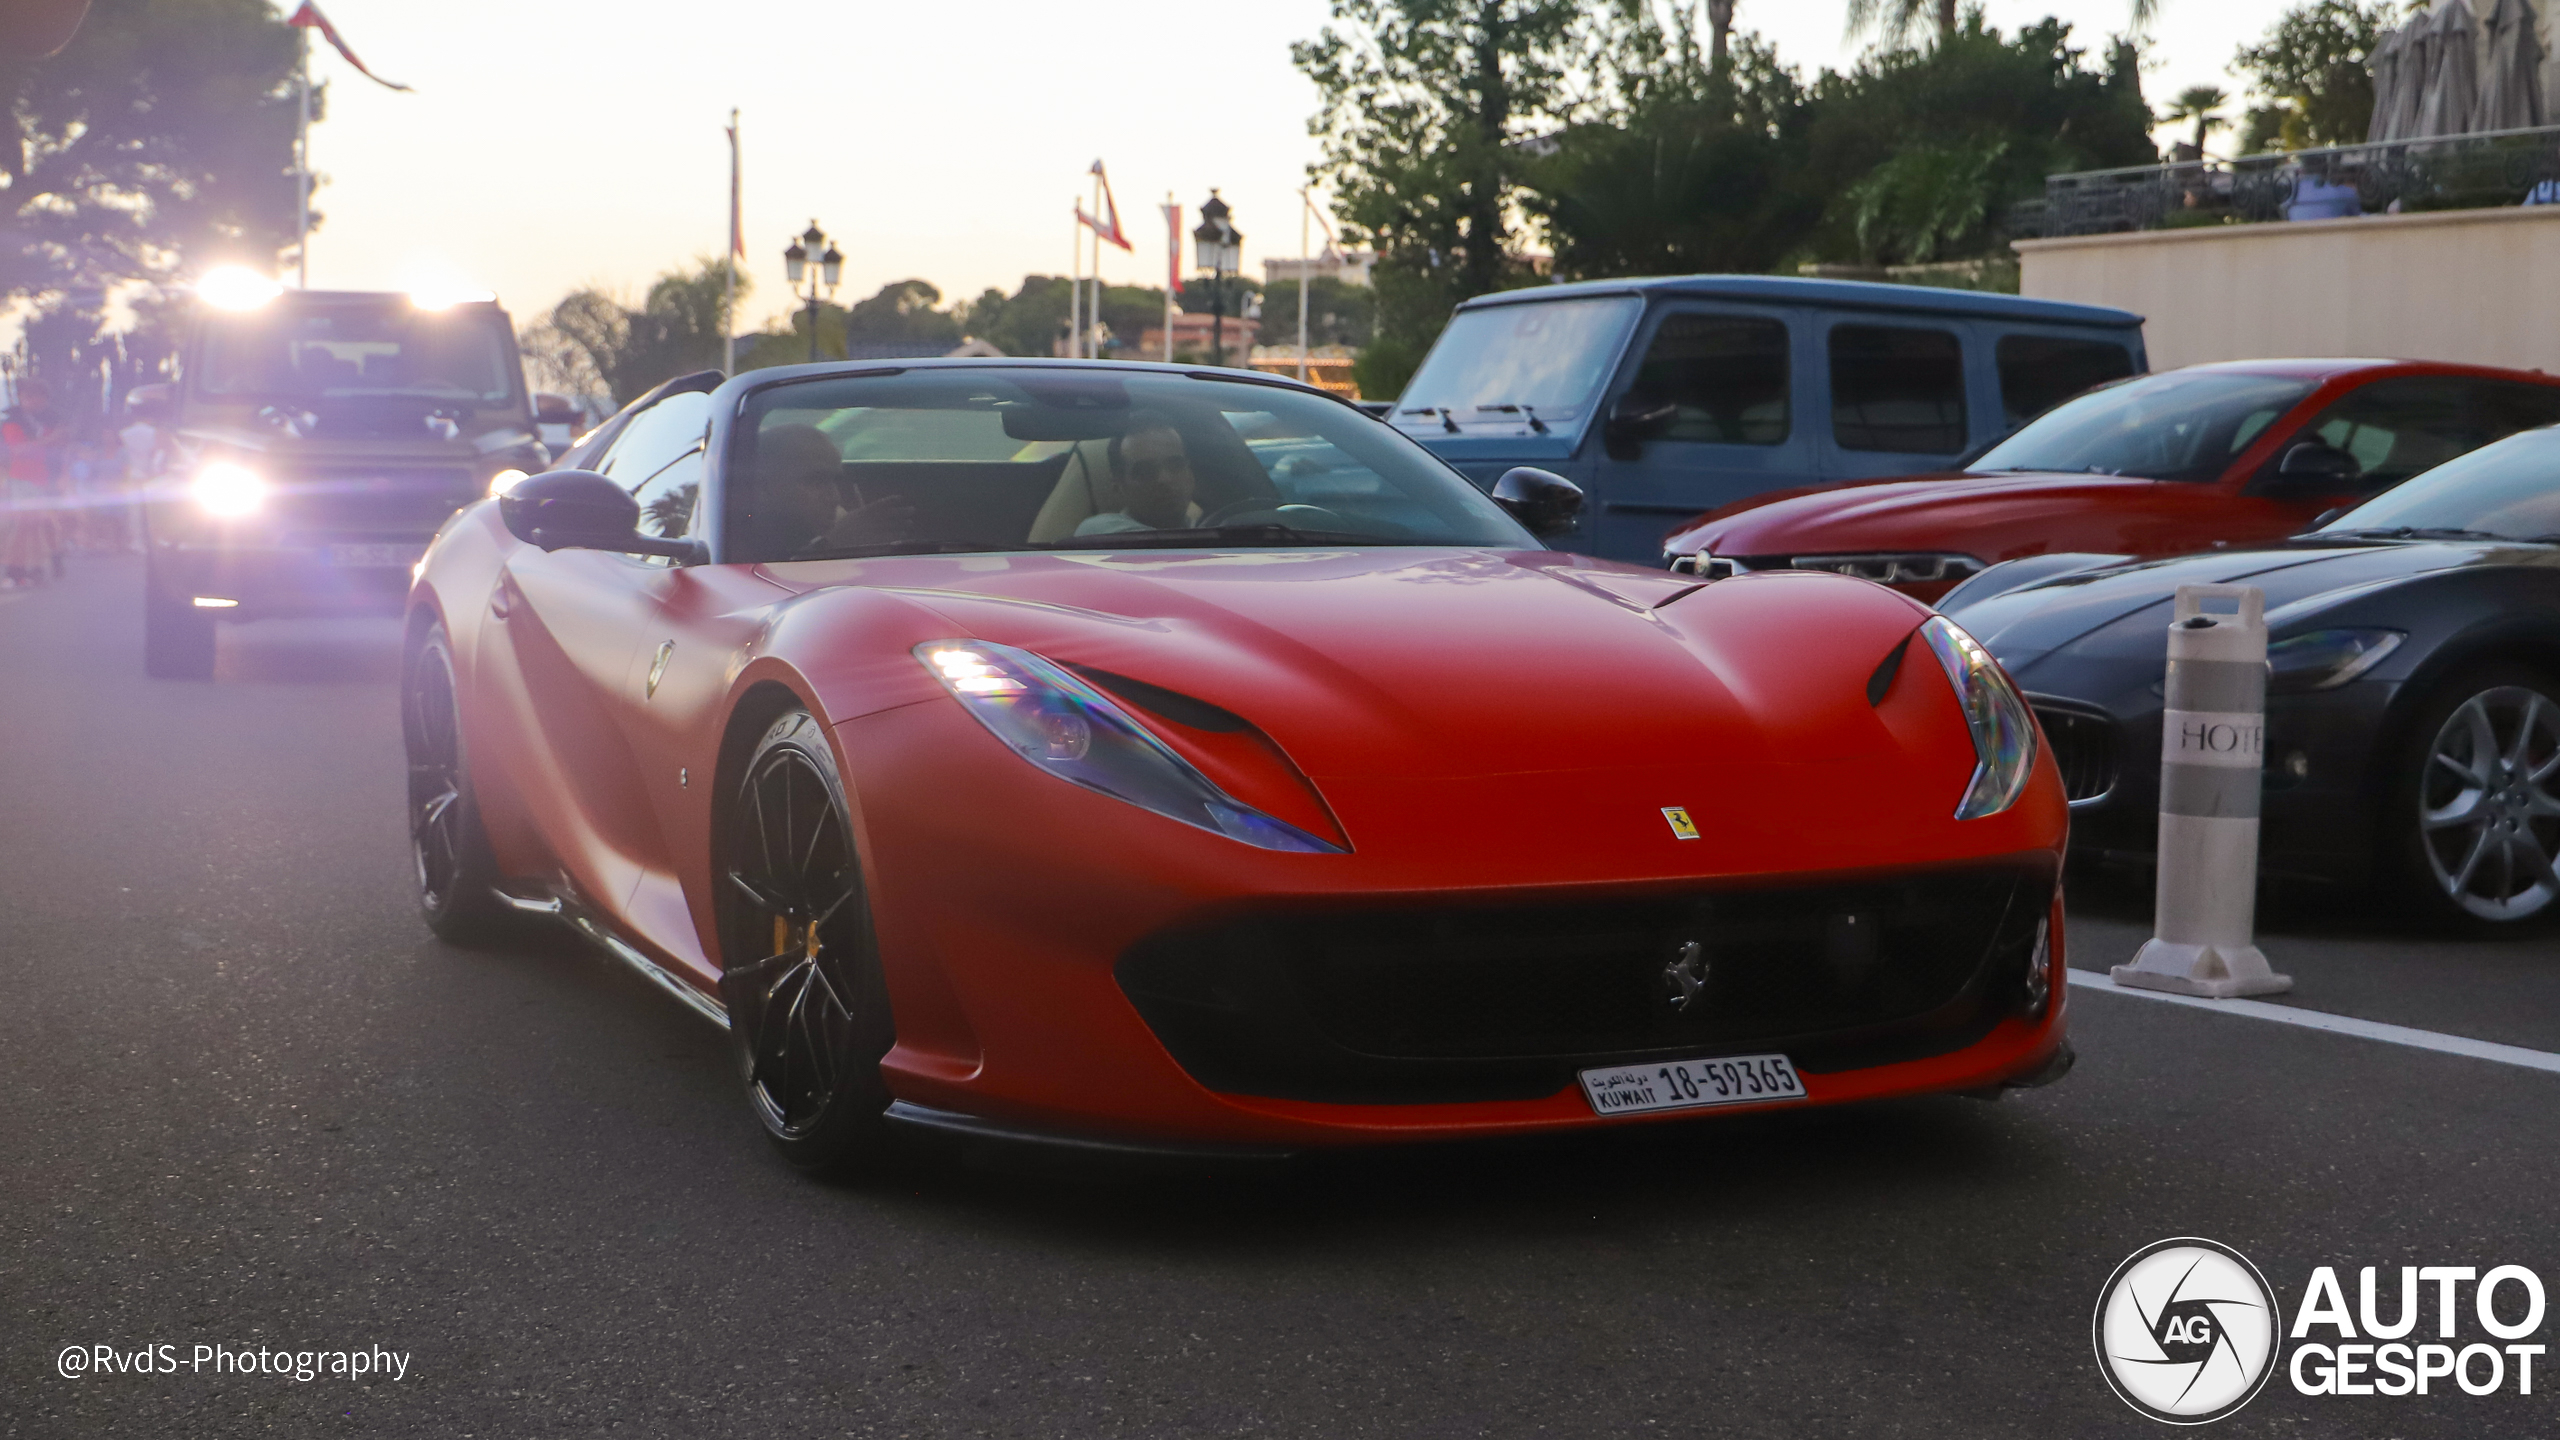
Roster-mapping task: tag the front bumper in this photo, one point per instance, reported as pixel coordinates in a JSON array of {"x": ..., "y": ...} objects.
[
  {"x": 351, "y": 575},
  {"x": 1043, "y": 942}
]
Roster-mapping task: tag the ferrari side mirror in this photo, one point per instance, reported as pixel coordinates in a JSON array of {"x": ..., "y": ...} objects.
[
  {"x": 582, "y": 510},
  {"x": 1545, "y": 503}
]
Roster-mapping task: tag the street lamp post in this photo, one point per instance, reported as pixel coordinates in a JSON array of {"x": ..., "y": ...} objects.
[
  {"x": 1220, "y": 247},
  {"x": 830, "y": 268}
]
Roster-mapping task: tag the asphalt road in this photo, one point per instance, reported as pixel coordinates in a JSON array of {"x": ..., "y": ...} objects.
[{"x": 249, "y": 1102}]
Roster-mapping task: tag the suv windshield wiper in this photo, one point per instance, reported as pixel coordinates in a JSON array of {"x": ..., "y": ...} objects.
[{"x": 1219, "y": 535}]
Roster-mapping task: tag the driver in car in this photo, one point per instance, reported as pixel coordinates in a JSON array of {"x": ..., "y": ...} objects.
[
  {"x": 1154, "y": 471},
  {"x": 803, "y": 484}
]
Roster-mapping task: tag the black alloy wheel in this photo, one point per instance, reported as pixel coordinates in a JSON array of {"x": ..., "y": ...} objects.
[
  {"x": 800, "y": 967},
  {"x": 2477, "y": 800},
  {"x": 455, "y": 868},
  {"x": 177, "y": 634}
]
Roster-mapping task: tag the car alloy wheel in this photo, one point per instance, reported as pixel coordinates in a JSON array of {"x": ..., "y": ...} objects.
[
  {"x": 801, "y": 971},
  {"x": 451, "y": 854},
  {"x": 2488, "y": 803}
]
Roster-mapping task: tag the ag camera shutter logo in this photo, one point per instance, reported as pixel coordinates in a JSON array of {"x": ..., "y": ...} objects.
[{"x": 2186, "y": 1331}]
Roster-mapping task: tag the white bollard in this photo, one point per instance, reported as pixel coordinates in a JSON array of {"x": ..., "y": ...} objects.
[{"x": 2213, "y": 741}]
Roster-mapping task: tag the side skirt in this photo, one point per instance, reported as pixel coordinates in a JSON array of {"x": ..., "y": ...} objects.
[{"x": 615, "y": 947}]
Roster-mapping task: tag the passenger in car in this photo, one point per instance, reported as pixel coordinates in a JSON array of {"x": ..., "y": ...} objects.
[{"x": 1154, "y": 470}]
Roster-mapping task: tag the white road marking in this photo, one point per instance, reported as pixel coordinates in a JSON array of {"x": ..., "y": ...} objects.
[{"x": 2337, "y": 1024}]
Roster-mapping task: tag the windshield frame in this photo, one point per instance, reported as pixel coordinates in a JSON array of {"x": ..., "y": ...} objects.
[
  {"x": 2290, "y": 394},
  {"x": 734, "y": 423},
  {"x": 484, "y": 316}
]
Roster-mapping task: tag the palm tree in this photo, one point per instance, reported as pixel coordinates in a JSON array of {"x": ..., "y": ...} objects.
[
  {"x": 1894, "y": 20},
  {"x": 2198, "y": 103}
]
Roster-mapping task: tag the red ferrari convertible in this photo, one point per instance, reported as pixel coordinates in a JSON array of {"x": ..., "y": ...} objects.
[{"x": 1141, "y": 757}]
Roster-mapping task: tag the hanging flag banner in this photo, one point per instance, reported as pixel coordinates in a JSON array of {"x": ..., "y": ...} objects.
[
  {"x": 1172, "y": 248},
  {"x": 1106, "y": 225},
  {"x": 310, "y": 18}
]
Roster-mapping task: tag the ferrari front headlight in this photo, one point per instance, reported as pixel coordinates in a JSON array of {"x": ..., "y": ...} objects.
[
  {"x": 228, "y": 491},
  {"x": 2004, "y": 730},
  {"x": 1051, "y": 718}
]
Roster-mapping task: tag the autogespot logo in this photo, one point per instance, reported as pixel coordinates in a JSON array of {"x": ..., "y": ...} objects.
[{"x": 2186, "y": 1331}]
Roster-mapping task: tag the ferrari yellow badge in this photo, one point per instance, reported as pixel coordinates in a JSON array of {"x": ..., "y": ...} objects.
[{"x": 1682, "y": 827}]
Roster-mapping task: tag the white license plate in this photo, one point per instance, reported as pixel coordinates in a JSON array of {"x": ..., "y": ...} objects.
[
  {"x": 375, "y": 556},
  {"x": 1691, "y": 1084}
]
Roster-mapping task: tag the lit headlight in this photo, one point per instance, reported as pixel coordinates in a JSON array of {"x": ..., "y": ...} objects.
[
  {"x": 1049, "y": 717},
  {"x": 227, "y": 491},
  {"x": 505, "y": 480},
  {"x": 2326, "y": 659},
  {"x": 2004, "y": 732}
]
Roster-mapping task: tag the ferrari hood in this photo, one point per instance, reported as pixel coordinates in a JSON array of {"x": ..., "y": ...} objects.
[
  {"x": 1444, "y": 663},
  {"x": 1917, "y": 513},
  {"x": 2131, "y": 602}
]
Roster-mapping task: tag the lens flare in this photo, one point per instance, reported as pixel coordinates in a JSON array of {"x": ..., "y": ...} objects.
[{"x": 227, "y": 491}]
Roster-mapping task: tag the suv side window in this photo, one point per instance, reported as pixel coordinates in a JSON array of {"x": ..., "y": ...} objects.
[
  {"x": 2397, "y": 428},
  {"x": 2038, "y": 372},
  {"x": 1724, "y": 376},
  {"x": 1897, "y": 388},
  {"x": 2508, "y": 408}
]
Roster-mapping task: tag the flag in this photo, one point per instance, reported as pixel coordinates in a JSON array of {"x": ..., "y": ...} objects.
[
  {"x": 1108, "y": 225},
  {"x": 1172, "y": 248},
  {"x": 737, "y": 232},
  {"x": 310, "y": 18}
]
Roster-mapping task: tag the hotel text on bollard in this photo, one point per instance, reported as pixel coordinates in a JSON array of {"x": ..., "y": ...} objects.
[{"x": 2212, "y": 753}]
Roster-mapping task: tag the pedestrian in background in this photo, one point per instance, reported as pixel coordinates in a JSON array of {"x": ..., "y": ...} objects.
[
  {"x": 145, "y": 452},
  {"x": 30, "y": 535}
]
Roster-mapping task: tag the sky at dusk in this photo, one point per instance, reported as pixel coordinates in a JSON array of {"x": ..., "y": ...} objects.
[{"x": 555, "y": 145}]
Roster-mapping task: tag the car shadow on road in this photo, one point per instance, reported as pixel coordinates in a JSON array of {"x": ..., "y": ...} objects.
[{"x": 309, "y": 652}]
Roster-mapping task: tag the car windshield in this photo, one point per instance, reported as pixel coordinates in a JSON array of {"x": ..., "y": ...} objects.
[
  {"x": 1505, "y": 363},
  {"x": 2509, "y": 490},
  {"x": 387, "y": 348},
  {"x": 1029, "y": 458},
  {"x": 2184, "y": 425}
]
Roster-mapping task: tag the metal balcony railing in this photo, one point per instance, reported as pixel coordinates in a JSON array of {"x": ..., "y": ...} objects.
[{"x": 2444, "y": 172}]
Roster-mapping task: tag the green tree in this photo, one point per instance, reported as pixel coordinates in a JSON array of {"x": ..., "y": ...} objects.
[
  {"x": 2201, "y": 104},
  {"x": 160, "y": 140},
  {"x": 1337, "y": 314},
  {"x": 2314, "y": 65},
  {"x": 1425, "y": 105},
  {"x": 1892, "y": 21},
  {"x": 592, "y": 341},
  {"x": 902, "y": 313},
  {"x": 1686, "y": 168}
]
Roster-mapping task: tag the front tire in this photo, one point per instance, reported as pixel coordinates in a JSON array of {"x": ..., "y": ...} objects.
[
  {"x": 2475, "y": 801},
  {"x": 800, "y": 966},
  {"x": 457, "y": 871},
  {"x": 177, "y": 637}
]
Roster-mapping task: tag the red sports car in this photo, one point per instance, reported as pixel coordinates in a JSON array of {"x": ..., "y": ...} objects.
[
  {"x": 1144, "y": 757},
  {"x": 2167, "y": 464}
]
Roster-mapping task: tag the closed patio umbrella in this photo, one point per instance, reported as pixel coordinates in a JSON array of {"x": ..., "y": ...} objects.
[
  {"x": 2453, "y": 84},
  {"x": 2511, "y": 82},
  {"x": 2417, "y": 73},
  {"x": 2390, "y": 79}
]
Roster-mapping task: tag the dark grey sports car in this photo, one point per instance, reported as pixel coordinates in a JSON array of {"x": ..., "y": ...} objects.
[{"x": 2413, "y": 705}]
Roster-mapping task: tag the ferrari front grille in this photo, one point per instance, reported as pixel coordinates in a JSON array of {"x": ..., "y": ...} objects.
[
  {"x": 2085, "y": 749},
  {"x": 1489, "y": 1001}
]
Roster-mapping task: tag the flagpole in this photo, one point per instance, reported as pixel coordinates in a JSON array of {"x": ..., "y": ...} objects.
[
  {"x": 1305, "y": 206},
  {"x": 302, "y": 167},
  {"x": 729, "y": 270},
  {"x": 1075, "y": 289},
  {"x": 1172, "y": 267},
  {"x": 1093, "y": 316}
]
